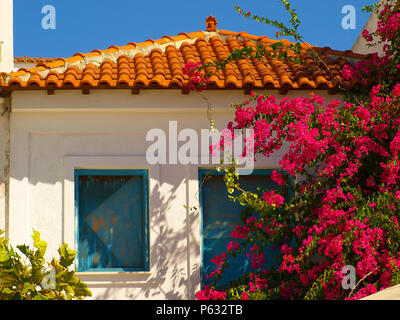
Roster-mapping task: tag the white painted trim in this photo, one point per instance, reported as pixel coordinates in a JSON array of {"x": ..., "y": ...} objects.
[
  {"x": 151, "y": 100},
  {"x": 119, "y": 110},
  {"x": 137, "y": 274}
]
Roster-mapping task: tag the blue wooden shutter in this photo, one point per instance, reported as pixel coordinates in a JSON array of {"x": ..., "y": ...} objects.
[
  {"x": 220, "y": 215},
  {"x": 112, "y": 216}
]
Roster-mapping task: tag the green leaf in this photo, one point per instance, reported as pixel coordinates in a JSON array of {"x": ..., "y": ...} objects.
[
  {"x": 39, "y": 244},
  {"x": 24, "y": 249},
  {"x": 39, "y": 296},
  {"x": 27, "y": 287},
  {"x": 4, "y": 254},
  {"x": 67, "y": 255}
]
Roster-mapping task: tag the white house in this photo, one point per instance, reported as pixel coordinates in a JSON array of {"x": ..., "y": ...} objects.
[{"x": 73, "y": 147}]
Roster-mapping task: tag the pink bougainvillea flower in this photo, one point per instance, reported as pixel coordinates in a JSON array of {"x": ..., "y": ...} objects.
[
  {"x": 347, "y": 72},
  {"x": 367, "y": 36},
  {"x": 396, "y": 90},
  {"x": 244, "y": 296},
  {"x": 210, "y": 294},
  {"x": 278, "y": 178},
  {"x": 273, "y": 199}
]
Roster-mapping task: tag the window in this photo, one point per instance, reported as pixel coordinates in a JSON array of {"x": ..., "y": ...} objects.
[
  {"x": 112, "y": 227},
  {"x": 220, "y": 215}
]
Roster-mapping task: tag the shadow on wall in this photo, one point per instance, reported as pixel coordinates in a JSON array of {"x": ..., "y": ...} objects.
[
  {"x": 39, "y": 157},
  {"x": 175, "y": 277}
]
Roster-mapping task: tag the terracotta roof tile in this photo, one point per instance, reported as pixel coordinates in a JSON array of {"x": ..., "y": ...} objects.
[
  {"x": 159, "y": 64},
  {"x": 32, "y": 60}
]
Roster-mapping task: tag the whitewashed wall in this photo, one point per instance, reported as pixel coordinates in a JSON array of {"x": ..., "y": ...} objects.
[{"x": 53, "y": 134}]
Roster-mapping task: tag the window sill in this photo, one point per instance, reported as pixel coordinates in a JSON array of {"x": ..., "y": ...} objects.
[
  {"x": 118, "y": 279},
  {"x": 114, "y": 273}
]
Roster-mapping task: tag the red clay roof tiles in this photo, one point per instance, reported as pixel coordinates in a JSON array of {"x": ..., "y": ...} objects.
[
  {"x": 32, "y": 60},
  {"x": 159, "y": 64}
]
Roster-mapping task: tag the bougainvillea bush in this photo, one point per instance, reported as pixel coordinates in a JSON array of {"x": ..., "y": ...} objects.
[{"x": 343, "y": 167}]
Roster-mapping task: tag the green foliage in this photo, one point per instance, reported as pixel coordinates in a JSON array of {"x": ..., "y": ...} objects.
[
  {"x": 30, "y": 277},
  {"x": 284, "y": 30},
  {"x": 316, "y": 291}
]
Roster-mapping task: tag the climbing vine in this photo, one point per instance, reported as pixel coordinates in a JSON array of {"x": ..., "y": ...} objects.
[{"x": 342, "y": 168}]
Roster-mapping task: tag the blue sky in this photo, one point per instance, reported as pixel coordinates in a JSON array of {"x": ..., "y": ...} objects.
[{"x": 85, "y": 25}]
